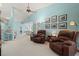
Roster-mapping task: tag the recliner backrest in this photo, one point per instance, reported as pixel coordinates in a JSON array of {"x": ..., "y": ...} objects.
[
  {"x": 68, "y": 34},
  {"x": 41, "y": 31}
]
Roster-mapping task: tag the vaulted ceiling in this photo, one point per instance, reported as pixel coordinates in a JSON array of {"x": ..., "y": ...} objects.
[{"x": 20, "y": 9}]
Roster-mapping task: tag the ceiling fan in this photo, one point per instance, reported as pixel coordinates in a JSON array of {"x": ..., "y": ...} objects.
[{"x": 28, "y": 10}]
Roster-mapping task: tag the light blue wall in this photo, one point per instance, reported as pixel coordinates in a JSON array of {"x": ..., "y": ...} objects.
[{"x": 72, "y": 11}]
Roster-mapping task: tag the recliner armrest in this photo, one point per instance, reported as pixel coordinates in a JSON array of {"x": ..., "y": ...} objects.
[
  {"x": 53, "y": 38},
  {"x": 69, "y": 48},
  {"x": 69, "y": 42}
]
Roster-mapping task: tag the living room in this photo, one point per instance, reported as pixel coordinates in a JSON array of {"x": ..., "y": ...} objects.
[{"x": 39, "y": 29}]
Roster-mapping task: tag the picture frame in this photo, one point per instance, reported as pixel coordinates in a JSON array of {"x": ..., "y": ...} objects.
[
  {"x": 54, "y": 26},
  {"x": 62, "y": 18},
  {"x": 53, "y": 19},
  {"x": 62, "y": 25},
  {"x": 47, "y": 26},
  {"x": 47, "y": 20}
]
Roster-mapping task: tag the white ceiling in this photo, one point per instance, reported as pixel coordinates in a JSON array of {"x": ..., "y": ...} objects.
[{"x": 20, "y": 12}]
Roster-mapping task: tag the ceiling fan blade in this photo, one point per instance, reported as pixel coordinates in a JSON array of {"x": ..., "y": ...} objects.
[
  {"x": 33, "y": 11},
  {"x": 19, "y": 10}
]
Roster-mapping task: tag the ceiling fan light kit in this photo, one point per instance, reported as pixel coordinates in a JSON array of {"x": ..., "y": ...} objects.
[{"x": 28, "y": 10}]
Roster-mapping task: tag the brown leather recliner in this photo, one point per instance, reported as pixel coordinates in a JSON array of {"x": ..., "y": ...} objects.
[
  {"x": 64, "y": 44},
  {"x": 39, "y": 37}
]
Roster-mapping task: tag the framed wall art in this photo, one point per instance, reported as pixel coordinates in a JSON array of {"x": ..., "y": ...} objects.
[
  {"x": 53, "y": 19},
  {"x": 56, "y": 22},
  {"x": 47, "y": 20},
  {"x": 62, "y": 25},
  {"x": 47, "y": 26},
  {"x": 62, "y": 18},
  {"x": 54, "y": 26}
]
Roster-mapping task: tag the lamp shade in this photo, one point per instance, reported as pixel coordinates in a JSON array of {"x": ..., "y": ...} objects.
[{"x": 72, "y": 23}]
